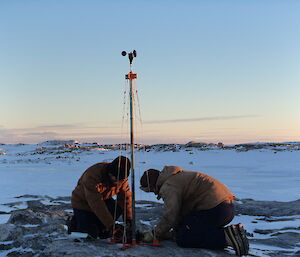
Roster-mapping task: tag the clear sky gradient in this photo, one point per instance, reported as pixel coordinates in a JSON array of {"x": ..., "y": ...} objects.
[{"x": 212, "y": 71}]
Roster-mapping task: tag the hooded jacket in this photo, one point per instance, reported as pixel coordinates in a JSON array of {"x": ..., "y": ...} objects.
[
  {"x": 186, "y": 191},
  {"x": 94, "y": 187}
]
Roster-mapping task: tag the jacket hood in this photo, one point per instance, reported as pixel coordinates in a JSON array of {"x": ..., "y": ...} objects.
[{"x": 165, "y": 174}]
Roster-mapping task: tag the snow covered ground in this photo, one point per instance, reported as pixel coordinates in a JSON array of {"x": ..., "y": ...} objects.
[
  {"x": 257, "y": 174},
  {"x": 261, "y": 174}
]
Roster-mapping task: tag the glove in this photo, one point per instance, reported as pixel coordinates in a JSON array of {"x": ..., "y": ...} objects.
[{"x": 148, "y": 236}]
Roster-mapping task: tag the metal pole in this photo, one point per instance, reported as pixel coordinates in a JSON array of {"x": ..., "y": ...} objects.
[
  {"x": 131, "y": 76},
  {"x": 132, "y": 153}
]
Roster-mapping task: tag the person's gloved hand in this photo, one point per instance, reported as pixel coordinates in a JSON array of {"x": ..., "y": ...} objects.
[{"x": 148, "y": 236}]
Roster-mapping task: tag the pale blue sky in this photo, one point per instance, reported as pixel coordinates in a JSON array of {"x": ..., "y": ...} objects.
[{"x": 208, "y": 70}]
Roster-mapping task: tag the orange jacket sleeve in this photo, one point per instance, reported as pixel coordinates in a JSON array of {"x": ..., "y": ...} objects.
[{"x": 124, "y": 199}]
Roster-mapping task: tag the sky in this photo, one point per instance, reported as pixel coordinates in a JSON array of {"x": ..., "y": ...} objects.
[{"x": 210, "y": 71}]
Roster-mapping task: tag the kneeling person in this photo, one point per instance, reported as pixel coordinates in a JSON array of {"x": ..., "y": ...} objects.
[
  {"x": 196, "y": 209},
  {"x": 95, "y": 211}
]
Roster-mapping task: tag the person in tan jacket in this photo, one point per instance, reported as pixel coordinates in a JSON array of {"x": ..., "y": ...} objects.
[
  {"x": 95, "y": 211},
  {"x": 196, "y": 209}
]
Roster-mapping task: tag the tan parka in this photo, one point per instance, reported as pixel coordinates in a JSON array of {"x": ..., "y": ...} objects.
[
  {"x": 94, "y": 187},
  {"x": 186, "y": 191}
]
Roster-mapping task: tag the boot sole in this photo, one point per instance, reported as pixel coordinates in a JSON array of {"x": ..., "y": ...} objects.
[
  {"x": 244, "y": 238},
  {"x": 237, "y": 235},
  {"x": 235, "y": 243}
]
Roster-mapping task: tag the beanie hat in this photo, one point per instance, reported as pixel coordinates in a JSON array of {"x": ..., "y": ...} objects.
[
  {"x": 120, "y": 167},
  {"x": 149, "y": 179}
]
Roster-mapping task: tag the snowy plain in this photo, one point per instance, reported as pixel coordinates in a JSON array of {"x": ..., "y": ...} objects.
[
  {"x": 256, "y": 174},
  {"x": 262, "y": 174}
]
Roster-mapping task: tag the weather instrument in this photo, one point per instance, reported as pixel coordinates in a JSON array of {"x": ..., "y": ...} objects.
[
  {"x": 131, "y": 77},
  {"x": 136, "y": 235}
]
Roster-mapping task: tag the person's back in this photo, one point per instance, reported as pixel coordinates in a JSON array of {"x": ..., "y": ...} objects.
[
  {"x": 92, "y": 202},
  {"x": 91, "y": 177},
  {"x": 199, "y": 191},
  {"x": 196, "y": 207},
  {"x": 187, "y": 191}
]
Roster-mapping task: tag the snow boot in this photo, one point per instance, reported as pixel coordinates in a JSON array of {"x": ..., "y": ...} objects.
[
  {"x": 237, "y": 238},
  {"x": 71, "y": 224}
]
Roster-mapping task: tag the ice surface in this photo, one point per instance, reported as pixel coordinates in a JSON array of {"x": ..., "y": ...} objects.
[
  {"x": 254, "y": 222},
  {"x": 257, "y": 174},
  {"x": 261, "y": 175},
  {"x": 4, "y": 218}
]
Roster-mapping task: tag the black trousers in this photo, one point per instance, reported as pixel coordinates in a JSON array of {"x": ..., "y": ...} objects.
[
  {"x": 88, "y": 222},
  {"x": 205, "y": 229}
]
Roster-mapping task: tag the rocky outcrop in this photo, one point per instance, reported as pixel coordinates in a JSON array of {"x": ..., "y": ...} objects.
[
  {"x": 39, "y": 230},
  {"x": 267, "y": 208}
]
